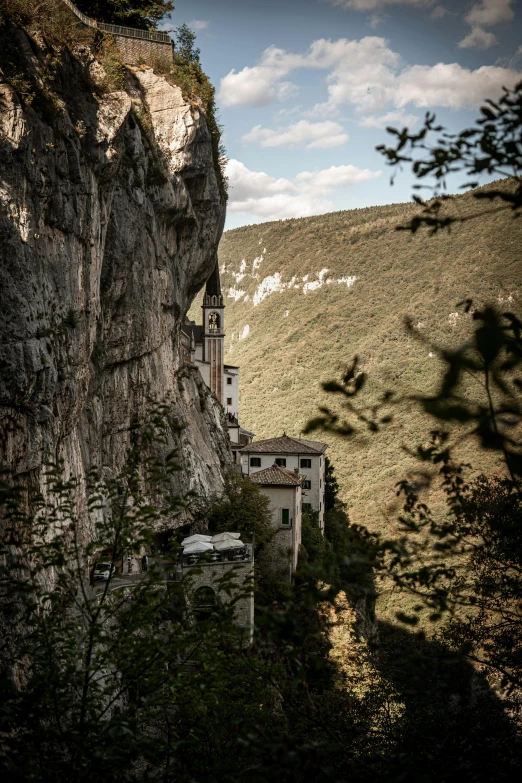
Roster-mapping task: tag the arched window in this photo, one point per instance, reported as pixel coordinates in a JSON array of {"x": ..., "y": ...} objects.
[
  {"x": 214, "y": 300},
  {"x": 204, "y": 597},
  {"x": 213, "y": 322}
]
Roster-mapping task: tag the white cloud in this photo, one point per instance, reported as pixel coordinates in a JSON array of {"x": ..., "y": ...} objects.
[
  {"x": 167, "y": 24},
  {"x": 262, "y": 83},
  {"x": 371, "y": 5},
  {"x": 452, "y": 86},
  {"x": 490, "y": 12},
  {"x": 393, "y": 118},
  {"x": 439, "y": 12},
  {"x": 198, "y": 24},
  {"x": 376, "y": 19},
  {"x": 486, "y": 13},
  {"x": 269, "y": 198},
  {"x": 245, "y": 184},
  {"x": 479, "y": 39},
  {"x": 368, "y": 75},
  {"x": 316, "y": 135},
  {"x": 326, "y": 180}
]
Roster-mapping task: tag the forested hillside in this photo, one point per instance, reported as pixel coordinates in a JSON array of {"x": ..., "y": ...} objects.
[{"x": 304, "y": 296}]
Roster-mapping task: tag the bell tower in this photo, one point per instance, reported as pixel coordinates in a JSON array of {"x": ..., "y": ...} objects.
[{"x": 214, "y": 332}]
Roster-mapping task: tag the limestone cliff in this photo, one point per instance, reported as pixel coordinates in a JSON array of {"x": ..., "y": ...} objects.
[{"x": 110, "y": 217}]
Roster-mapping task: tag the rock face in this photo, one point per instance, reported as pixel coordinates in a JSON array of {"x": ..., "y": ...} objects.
[{"x": 110, "y": 217}]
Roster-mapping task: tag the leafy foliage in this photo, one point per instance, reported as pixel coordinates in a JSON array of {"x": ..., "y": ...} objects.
[
  {"x": 492, "y": 146},
  {"x": 242, "y": 507},
  {"x": 331, "y": 485},
  {"x": 51, "y": 17},
  {"x": 97, "y": 680},
  {"x": 462, "y": 565},
  {"x": 185, "y": 44},
  {"x": 143, "y": 14},
  {"x": 468, "y": 557}
]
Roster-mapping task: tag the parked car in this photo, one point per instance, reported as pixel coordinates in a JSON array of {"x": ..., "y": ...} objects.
[{"x": 104, "y": 571}]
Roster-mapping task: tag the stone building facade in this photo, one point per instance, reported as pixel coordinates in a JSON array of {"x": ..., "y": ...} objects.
[
  {"x": 204, "y": 346},
  {"x": 283, "y": 488},
  {"x": 305, "y": 456},
  {"x": 204, "y": 584}
]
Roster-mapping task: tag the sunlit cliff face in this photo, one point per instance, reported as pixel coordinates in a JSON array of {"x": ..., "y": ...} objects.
[{"x": 110, "y": 216}]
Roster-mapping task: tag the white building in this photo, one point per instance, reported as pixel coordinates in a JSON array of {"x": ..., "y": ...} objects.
[
  {"x": 204, "y": 346},
  {"x": 283, "y": 488},
  {"x": 305, "y": 456}
]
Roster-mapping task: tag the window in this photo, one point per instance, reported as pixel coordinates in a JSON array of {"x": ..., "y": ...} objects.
[
  {"x": 307, "y": 484},
  {"x": 204, "y": 603},
  {"x": 229, "y": 381},
  {"x": 213, "y": 322},
  {"x": 306, "y": 463},
  {"x": 229, "y": 400},
  {"x": 255, "y": 462},
  {"x": 204, "y": 596},
  {"x": 285, "y": 517},
  {"x": 281, "y": 461},
  {"x": 307, "y": 506}
]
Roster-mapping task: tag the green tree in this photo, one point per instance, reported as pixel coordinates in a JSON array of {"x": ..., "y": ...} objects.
[
  {"x": 143, "y": 14},
  {"x": 242, "y": 507},
  {"x": 97, "y": 679},
  {"x": 185, "y": 44},
  {"x": 331, "y": 485}
]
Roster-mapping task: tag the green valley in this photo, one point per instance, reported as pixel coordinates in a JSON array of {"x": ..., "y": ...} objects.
[{"x": 304, "y": 296}]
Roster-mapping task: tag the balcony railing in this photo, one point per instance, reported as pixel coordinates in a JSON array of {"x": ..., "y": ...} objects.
[
  {"x": 131, "y": 32},
  {"x": 127, "y": 32}
]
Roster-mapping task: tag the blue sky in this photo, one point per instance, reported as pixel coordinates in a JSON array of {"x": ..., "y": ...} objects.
[{"x": 306, "y": 88}]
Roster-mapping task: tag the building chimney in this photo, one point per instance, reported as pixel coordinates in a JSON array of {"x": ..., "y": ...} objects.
[{"x": 296, "y": 471}]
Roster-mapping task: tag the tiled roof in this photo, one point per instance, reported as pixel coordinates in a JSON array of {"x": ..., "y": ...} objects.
[
  {"x": 285, "y": 445},
  {"x": 276, "y": 475},
  {"x": 315, "y": 444}
]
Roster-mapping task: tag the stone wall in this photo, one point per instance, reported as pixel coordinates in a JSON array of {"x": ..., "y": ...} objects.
[
  {"x": 283, "y": 550},
  {"x": 215, "y": 576},
  {"x": 136, "y": 51}
]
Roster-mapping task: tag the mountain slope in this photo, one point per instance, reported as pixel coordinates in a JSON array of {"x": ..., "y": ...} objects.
[{"x": 304, "y": 296}]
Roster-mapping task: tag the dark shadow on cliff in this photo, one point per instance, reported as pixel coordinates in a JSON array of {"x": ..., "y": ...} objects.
[{"x": 442, "y": 721}]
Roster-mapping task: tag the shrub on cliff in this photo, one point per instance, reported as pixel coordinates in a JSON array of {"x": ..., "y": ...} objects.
[{"x": 50, "y": 17}]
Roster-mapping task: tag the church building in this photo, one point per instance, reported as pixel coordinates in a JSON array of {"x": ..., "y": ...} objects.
[{"x": 204, "y": 346}]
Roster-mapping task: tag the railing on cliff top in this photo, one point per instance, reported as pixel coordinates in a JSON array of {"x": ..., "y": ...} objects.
[{"x": 127, "y": 32}]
